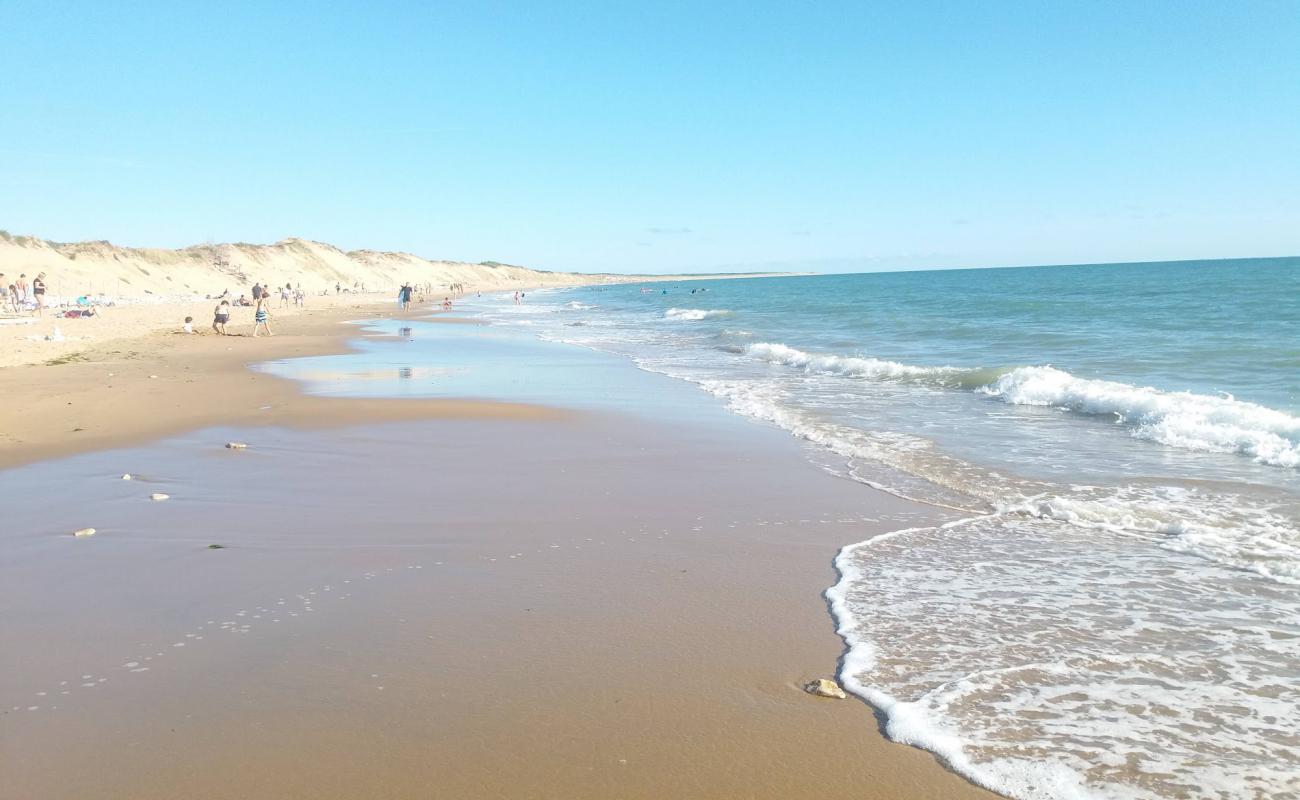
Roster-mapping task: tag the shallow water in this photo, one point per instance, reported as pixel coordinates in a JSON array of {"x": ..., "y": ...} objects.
[{"x": 1119, "y": 616}]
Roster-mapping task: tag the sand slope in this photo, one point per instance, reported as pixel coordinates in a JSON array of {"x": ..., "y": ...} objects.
[
  {"x": 148, "y": 290},
  {"x": 93, "y": 268}
]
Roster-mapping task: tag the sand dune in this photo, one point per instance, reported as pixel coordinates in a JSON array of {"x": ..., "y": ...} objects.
[
  {"x": 149, "y": 290},
  {"x": 93, "y": 268}
]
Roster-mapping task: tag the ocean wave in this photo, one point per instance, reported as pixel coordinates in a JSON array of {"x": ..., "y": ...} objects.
[
  {"x": 853, "y": 366},
  {"x": 576, "y": 306},
  {"x": 1184, "y": 420},
  {"x": 1177, "y": 419},
  {"x": 695, "y": 314}
]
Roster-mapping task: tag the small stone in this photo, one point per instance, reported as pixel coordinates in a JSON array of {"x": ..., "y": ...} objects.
[
  {"x": 825, "y": 687},
  {"x": 236, "y": 445},
  {"x": 216, "y": 547},
  {"x": 84, "y": 532},
  {"x": 126, "y": 477},
  {"x": 159, "y": 496}
]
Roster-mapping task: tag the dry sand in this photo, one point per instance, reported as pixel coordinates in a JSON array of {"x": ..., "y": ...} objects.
[{"x": 647, "y": 639}]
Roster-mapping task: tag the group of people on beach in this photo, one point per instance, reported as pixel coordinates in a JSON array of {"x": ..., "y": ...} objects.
[
  {"x": 17, "y": 294},
  {"x": 261, "y": 304},
  {"x": 406, "y": 294}
]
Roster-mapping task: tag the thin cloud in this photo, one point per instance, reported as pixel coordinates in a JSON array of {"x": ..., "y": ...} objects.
[{"x": 669, "y": 231}]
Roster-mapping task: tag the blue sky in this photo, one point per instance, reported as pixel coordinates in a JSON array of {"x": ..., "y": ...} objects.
[{"x": 670, "y": 136}]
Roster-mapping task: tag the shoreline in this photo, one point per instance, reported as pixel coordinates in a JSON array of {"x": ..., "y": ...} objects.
[
  {"x": 149, "y": 387},
  {"x": 639, "y": 646}
]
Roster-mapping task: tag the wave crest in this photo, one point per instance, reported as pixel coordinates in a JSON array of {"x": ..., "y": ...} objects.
[
  {"x": 1177, "y": 419},
  {"x": 851, "y": 366},
  {"x": 695, "y": 314}
]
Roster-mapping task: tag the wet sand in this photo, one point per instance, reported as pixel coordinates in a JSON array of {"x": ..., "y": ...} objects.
[
  {"x": 548, "y": 605},
  {"x": 163, "y": 383}
]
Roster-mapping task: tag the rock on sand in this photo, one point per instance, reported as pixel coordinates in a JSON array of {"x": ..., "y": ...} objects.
[
  {"x": 236, "y": 445},
  {"x": 159, "y": 496},
  {"x": 825, "y": 687},
  {"x": 84, "y": 532}
]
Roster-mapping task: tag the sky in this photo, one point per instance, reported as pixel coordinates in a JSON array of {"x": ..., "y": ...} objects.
[{"x": 664, "y": 136}]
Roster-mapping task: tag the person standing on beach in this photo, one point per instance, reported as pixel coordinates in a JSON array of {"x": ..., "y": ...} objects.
[
  {"x": 220, "y": 316},
  {"x": 22, "y": 288},
  {"x": 257, "y": 291},
  {"x": 38, "y": 291},
  {"x": 261, "y": 317},
  {"x": 284, "y": 295},
  {"x": 5, "y": 298}
]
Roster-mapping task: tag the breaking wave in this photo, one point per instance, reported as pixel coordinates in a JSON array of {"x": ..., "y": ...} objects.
[
  {"x": 1177, "y": 419},
  {"x": 695, "y": 314},
  {"x": 1184, "y": 420}
]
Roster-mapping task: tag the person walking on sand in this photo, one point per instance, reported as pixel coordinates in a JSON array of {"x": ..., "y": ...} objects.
[
  {"x": 260, "y": 318},
  {"x": 284, "y": 295},
  {"x": 220, "y": 316},
  {"x": 21, "y": 283},
  {"x": 38, "y": 291}
]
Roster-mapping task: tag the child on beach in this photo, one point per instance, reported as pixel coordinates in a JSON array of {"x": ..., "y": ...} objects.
[
  {"x": 188, "y": 327},
  {"x": 260, "y": 318},
  {"x": 220, "y": 316}
]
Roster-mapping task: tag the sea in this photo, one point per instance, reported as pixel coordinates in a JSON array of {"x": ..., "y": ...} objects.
[{"x": 1112, "y": 607}]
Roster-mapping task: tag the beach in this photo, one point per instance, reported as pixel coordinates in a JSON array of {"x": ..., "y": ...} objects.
[{"x": 464, "y": 595}]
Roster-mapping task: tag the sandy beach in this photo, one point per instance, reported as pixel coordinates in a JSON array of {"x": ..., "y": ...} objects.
[{"x": 414, "y": 598}]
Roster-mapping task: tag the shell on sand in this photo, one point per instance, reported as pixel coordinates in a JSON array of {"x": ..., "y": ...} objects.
[
  {"x": 236, "y": 445},
  {"x": 84, "y": 532},
  {"x": 159, "y": 496},
  {"x": 126, "y": 476}
]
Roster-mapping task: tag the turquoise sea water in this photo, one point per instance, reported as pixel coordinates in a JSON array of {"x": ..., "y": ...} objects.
[{"x": 1115, "y": 609}]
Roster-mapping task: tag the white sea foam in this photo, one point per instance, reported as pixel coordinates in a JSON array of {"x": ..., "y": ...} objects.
[
  {"x": 1046, "y": 660},
  {"x": 1178, "y": 419},
  {"x": 695, "y": 314},
  {"x": 1218, "y": 526}
]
